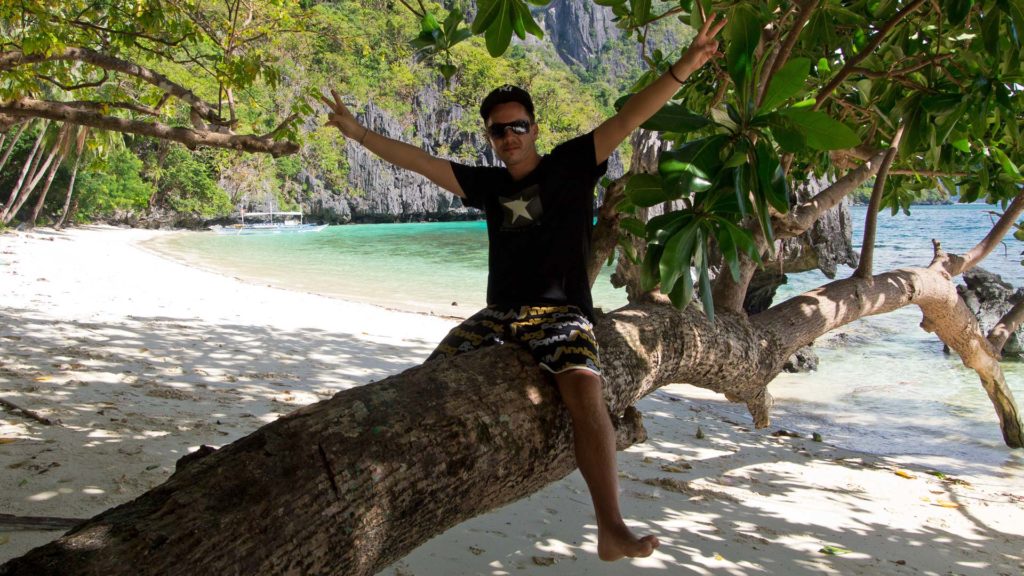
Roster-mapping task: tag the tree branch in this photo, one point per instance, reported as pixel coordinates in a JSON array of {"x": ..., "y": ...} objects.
[
  {"x": 954, "y": 265},
  {"x": 72, "y": 87},
  {"x": 927, "y": 173},
  {"x": 1006, "y": 326},
  {"x": 190, "y": 138},
  {"x": 802, "y": 216},
  {"x": 131, "y": 34},
  {"x": 799, "y": 320},
  {"x": 15, "y": 58},
  {"x": 898, "y": 72},
  {"x": 867, "y": 251},
  {"x": 782, "y": 56},
  {"x": 606, "y": 233},
  {"x": 825, "y": 93},
  {"x": 90, "y": 105}
]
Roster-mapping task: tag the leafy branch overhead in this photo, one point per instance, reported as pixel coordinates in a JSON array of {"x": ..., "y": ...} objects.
[
  {"x": 134, "y": 67},
  {"x": 815, "y": 87}
]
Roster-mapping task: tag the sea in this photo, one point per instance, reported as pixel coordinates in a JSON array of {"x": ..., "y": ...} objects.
[{"x": 883, "y": 385}]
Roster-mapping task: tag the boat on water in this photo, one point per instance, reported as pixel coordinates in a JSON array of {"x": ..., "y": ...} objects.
[{"x": 269, "y": 223}]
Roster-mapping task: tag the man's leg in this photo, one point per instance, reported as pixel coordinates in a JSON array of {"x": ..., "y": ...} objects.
[{"x": 594, "y": 442}]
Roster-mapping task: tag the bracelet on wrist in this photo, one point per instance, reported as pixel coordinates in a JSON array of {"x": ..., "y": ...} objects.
[
  {"x": 363, "y": 137},
  {"x": 672, "y": 72}
]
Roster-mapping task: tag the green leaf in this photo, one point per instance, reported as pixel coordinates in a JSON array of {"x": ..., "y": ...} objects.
[
  {"x": 447, "y": 70},
  {"x": 675, "y": 261},
  {"x": 487, "y": 11},
  {"x": 956, "y": 10},
  {"x": 823, "y": 68},
  {"x": 771, "y": 179},
  {"x": 941, "y": 103},
  {"x": 675, "y": 118},
  {"x": 962, "y": 145},
  {"x": 649, "y": 271},
  {"x": 742, "y": 34},
  {"x": 499, "y": 34},
  {"x": 944, "y": 125},
  {"x": 634, "y": 227},
  {"x": 705, "y": 277},
  {"x": 1008, "y": 166},
  {"x": 786, "y": 83},
  {"x": 727, "y": 245},
  {"x": 528, "y": 21},
  {"x": 915, "y": 121},
  {"x": 682, "y": 295},
  {"x": 645, "y": 190},
  {"x": 518, "y": 25},
  {"x": 451, "y": 23},
  {"x": 990, "y": 32},
  {"x": 429, "y": 23},
  {"x": 641, "y": 11},
  {"x": 627, "y": 249},
  {"x": 662, "y": 227},
  {"x": 702, "y": 153},
  {"x": 785, "y": 132},
  {"x": 821, "y": 131},
  {"x": 834, "y": 550}
]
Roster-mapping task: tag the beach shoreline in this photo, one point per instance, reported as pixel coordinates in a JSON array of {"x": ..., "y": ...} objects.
[
  {"x": 143, "y": 358},
  {"x": 158, "y": 246}
]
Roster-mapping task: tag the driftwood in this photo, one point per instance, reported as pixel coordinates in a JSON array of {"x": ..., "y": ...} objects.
[
  {"x": 12, "y": 522},
  {"x": 26, "y": 412}
]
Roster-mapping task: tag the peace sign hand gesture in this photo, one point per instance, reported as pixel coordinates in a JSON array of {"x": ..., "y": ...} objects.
[
  {"x": 703, "y": 48},
  {"x": 341, "y": 118}
]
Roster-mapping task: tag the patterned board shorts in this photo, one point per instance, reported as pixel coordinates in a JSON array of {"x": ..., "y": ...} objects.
[{"x": 559, "y": 338}]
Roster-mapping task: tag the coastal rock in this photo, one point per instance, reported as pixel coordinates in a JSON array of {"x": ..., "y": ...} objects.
[
  {"x": 805, "y": 360},
  {"x": 761, "y": 290},
  {"x": 829, "y": 243},
  {"x": 826, "y": 246},
  {"x": 579, "y": 30},
  {"x": 990, "y": 297}
]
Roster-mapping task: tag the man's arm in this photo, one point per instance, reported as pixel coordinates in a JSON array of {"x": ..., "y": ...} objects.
[
  {"x": 400, "y": 154},
  {"x": 645, "y": 103}
]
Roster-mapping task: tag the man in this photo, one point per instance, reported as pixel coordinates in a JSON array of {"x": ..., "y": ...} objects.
[{"x": 539, "y": 216}]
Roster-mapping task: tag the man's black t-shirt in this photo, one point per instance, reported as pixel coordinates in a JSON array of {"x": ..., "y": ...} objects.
[{"x": 538, "y": 227}]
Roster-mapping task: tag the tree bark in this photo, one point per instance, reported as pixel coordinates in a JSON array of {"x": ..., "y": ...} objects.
[
  {"x": 64, "y": 145},
  {"x": 867, "y": 251},
  {"x": 28, "y": 108},
  {"x": 83, "y": 134},
  {"x": 27, "y": 189},
  {"x": 14, "y": 142},
  {"x": 15, "y": 58},
  {"x": 25, "y": 169}
]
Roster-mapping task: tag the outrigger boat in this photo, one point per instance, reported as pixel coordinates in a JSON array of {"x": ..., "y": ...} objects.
[{"x": 287, "y": 224}]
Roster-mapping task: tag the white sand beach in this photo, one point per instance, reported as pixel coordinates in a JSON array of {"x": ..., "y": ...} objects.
[{"x": 137, "y": 359}]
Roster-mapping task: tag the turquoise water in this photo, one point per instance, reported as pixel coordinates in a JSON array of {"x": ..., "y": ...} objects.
[
  {"x": 437, "y": 267},
  {"x": 884, "y": 386}
]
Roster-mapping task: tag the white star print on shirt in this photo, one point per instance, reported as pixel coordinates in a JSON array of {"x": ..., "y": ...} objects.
[{"x": 518, "y": 209}]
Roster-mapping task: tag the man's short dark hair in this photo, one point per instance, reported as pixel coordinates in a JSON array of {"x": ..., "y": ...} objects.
[{"x": 504, "y": 94}]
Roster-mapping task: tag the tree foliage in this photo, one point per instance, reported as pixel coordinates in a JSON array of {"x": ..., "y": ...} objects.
[
  {"x": 173, "y": 69},
  {"x": 117, "y": 188},
  {"x": 813, "y": 87}
]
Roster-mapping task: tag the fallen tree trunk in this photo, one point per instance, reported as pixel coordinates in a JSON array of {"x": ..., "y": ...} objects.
[{"x": 354, "y": 483}]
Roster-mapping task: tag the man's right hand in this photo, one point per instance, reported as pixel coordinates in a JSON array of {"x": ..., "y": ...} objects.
[{"x": 341, "y": 118}]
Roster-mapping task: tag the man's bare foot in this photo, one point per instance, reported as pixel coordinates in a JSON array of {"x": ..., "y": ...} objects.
[{"x": 618, "y": 542}]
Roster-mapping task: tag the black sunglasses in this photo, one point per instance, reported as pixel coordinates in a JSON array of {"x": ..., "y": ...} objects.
[{"x": 497, "y": 130}]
